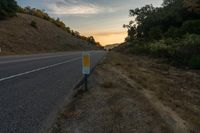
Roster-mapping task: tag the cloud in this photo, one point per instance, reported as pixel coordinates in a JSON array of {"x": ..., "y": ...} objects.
[
  {"x": 73, "y": 1},
  {"x": 77, "y": 7}
]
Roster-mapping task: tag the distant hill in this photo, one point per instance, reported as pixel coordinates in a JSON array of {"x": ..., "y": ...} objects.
[
  {"x": 26, "y": 34},
  {"x": 111, "y": 46}
]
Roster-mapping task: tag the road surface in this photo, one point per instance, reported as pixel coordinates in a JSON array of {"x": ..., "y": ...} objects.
[{"x": 33, "y": 87}]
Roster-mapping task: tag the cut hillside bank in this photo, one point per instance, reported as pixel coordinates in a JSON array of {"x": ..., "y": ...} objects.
[{"x": 26, "y": 34}]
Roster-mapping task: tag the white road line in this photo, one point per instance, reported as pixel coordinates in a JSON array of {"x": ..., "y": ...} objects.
[
  {"x": 31, "y": 59},
  {"x": 39, "y": 69}
]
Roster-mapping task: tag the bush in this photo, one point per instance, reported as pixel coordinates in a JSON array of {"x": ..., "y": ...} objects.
[
  {"x": 183, "y": 51},
  {"x": 191, "y": 26},
  {"x": 159, "y": 49},
  {"x": 194, "y": 62},
  {"x": 191, "y": 44},
  {"x": 34, "y": 24},
  {"x": 173, "y": 32},
  {"x": 155, "y": 33}
]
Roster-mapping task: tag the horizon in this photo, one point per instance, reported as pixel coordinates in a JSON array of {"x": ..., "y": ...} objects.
[{"x": 101, "y": 19}]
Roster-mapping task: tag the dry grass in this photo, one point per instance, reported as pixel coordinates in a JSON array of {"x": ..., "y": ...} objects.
[
  {"x": 17, "y": 36},
  {"x": 107, "y": 84},
  {"x": 131, "y": 94},
  {"x": 111, "y": 105},
  {"x": 177, "y": 89}
]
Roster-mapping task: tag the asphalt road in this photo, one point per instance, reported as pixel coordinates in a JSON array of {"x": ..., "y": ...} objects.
[{"x": 33, "y": 87}]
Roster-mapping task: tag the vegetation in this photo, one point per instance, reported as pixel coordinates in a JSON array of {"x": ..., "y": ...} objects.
[
  {"x": 171, "y": 31},
  {"x": 34, "y": 24},
  {"x": 7, "y": 8},
  {"x": 42, "y": 14}
]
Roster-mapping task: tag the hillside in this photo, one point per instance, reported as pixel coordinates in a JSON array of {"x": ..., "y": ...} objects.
[
  {"x": 109, "y": 47},
  {"x": 17, "y": 36}
]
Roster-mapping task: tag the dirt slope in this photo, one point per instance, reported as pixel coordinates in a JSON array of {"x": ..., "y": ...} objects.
[{"x": 17, "y": 36}]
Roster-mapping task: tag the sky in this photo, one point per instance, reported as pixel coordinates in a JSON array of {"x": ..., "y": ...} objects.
[{"x": 102, "y": 19}]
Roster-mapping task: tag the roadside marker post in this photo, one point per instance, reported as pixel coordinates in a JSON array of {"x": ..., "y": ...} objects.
[{"x": 86, "y": 67}]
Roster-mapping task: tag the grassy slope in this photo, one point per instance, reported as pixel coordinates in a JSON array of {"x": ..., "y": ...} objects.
[{"x": 17, "y": 36}]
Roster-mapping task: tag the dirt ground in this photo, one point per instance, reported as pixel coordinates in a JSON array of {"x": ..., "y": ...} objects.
[{"x": 134, "y": 94}]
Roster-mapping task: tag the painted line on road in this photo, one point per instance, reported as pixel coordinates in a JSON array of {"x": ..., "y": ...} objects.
[
  {"x": 32, "y": 59},
  {"x": 39, "y": 69}
]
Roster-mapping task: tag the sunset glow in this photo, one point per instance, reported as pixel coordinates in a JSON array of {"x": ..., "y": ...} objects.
[
  {"x": 110, "y": 37},
  {"x": 102, "y": 19}
]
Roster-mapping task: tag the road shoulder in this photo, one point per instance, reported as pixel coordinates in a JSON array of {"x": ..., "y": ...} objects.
[{"x": 127, "y": 95}]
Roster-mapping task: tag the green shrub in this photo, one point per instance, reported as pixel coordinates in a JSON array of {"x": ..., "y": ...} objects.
[
  {"x": 155, "y": 33},
  {"x": 183, "y": 51},
  {"x": 159, "y": 49},
  {"x": 34, "y": 24},
  {"x": 191, "y": 26},
  {"x": 194, "y": 62},
  {"x": 173, "y": 32},
  {"x": 191, "y": 44}
]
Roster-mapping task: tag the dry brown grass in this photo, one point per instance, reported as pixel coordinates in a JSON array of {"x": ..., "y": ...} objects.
[
  {"x": 111, "y": 105},
  {"x": 107, "y": 84},
  {"x": 17, "y": 36},
  {"x": 178, "y": 89},
  {"x": 132, "y": 94}
]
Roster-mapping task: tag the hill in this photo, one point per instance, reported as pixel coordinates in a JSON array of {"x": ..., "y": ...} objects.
[
  {"x": 25, "y": 34},
  {"x": 111, "y": 46}
]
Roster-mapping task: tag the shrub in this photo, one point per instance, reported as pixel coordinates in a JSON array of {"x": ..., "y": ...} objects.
[
  {"x": 34, "y": 24},
  {"x": 183, "y": 51},
  {"x": 191, "y": 44},
  {"x": 173, "y": 32},
  {"x": 191, "y": 26},
  {"x": 160, "y": 49},
  {"x": 194, "y": 62},
  {"x": 155, "y": 33}
]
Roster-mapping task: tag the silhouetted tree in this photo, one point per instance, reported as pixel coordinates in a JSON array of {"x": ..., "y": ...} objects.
[
  {"x": 153, "y": 23},
  {"x": 7, "y": 8}
]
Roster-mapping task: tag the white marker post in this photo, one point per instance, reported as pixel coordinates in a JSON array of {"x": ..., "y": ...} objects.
[{"x": 86, "y": 67}]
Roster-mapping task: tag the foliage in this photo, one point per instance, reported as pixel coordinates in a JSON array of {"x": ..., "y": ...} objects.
[
  {"x": 183, "y": 51},
  {"x": 171, "y": 31},
  {"x": 7, "y": 8},
  {"x": 191, "y": 26},
  {"x": 153, "y": 23},
  {"x": 34, "y": 24}
]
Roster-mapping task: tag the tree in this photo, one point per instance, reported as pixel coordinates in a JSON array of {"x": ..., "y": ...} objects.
[
  {"x": 59, "y": 23},
  {"x": 152, "y": 23},
  {"x": 192, "y": 5},
  {"x": 91, "y": 40},
  {"x": 155, "y": 33},
  {"x": 7, "y": 8}
]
